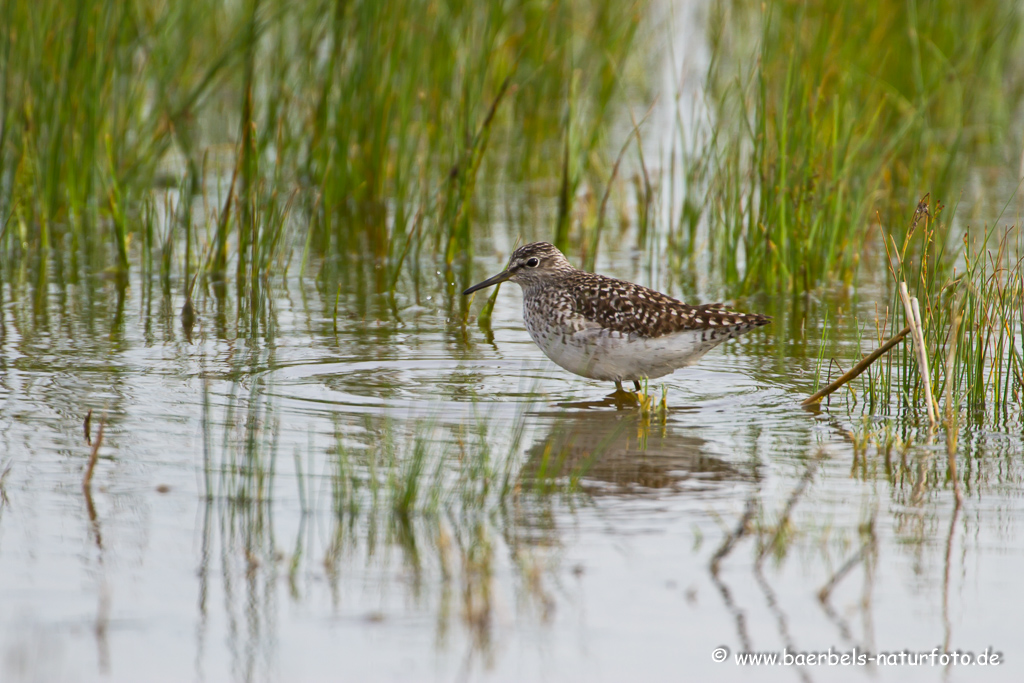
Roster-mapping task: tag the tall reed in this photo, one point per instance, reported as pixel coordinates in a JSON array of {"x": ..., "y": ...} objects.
[
  {"x": 373, "y": 122},
  {"x": 832, "y": 120}
]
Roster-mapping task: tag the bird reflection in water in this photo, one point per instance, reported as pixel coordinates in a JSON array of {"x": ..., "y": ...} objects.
[{"x": 625, "y": 451}]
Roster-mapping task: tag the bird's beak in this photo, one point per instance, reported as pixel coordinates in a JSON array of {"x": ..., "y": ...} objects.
[{"x": 500, "y": 277}]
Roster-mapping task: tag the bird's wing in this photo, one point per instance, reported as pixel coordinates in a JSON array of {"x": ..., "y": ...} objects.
[{"x": 633, "y": 309}]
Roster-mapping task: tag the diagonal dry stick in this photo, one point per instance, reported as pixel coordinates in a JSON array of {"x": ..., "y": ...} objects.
[{"x": 858, "y": 368}]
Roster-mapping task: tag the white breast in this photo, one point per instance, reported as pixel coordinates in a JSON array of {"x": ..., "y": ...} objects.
[{"x": 603, "y": 354}]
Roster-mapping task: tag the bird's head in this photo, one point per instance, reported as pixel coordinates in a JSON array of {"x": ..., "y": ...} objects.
[{"x": 529, "y": 264}]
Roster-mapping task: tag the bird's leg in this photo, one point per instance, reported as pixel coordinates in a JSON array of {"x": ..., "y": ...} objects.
[
  {"x": 618, "y": 386},
  {"x": 636, "y": 383}
]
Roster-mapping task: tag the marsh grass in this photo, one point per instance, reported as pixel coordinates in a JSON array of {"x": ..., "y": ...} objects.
[
  {"x": 831, "y": 121},
  {"x": 374, "y": 124},
  {"x": 972, "y": 306},
  {"x": 976, "y": 329}
]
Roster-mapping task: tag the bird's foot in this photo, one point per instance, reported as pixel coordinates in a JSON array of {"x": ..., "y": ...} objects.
[
  {"x": 625, "y": 399},
  {"x": 638, "y": 397}
]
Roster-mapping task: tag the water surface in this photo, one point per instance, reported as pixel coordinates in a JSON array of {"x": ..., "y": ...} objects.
[{"x": 234, "y": 534}]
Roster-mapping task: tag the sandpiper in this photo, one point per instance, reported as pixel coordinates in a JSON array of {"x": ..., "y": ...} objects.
[{"x": 607, "y": 329}]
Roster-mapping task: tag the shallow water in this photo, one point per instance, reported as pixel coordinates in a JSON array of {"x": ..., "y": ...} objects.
[
  {"x": 604, "y": 571},
  {"x": 245, "y": 520}
]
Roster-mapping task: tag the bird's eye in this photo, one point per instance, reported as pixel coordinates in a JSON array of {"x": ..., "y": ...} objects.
[{"x": 533, "y": 262}]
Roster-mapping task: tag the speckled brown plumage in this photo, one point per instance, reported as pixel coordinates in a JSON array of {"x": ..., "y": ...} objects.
[
  {"x": 605, "y": 328},
  {"x": 615, "y": 304},
  {"x": 634, "y": 309}
]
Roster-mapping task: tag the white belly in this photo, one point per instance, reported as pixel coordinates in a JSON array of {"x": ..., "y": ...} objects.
[{"x": 606, "y": 355}]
